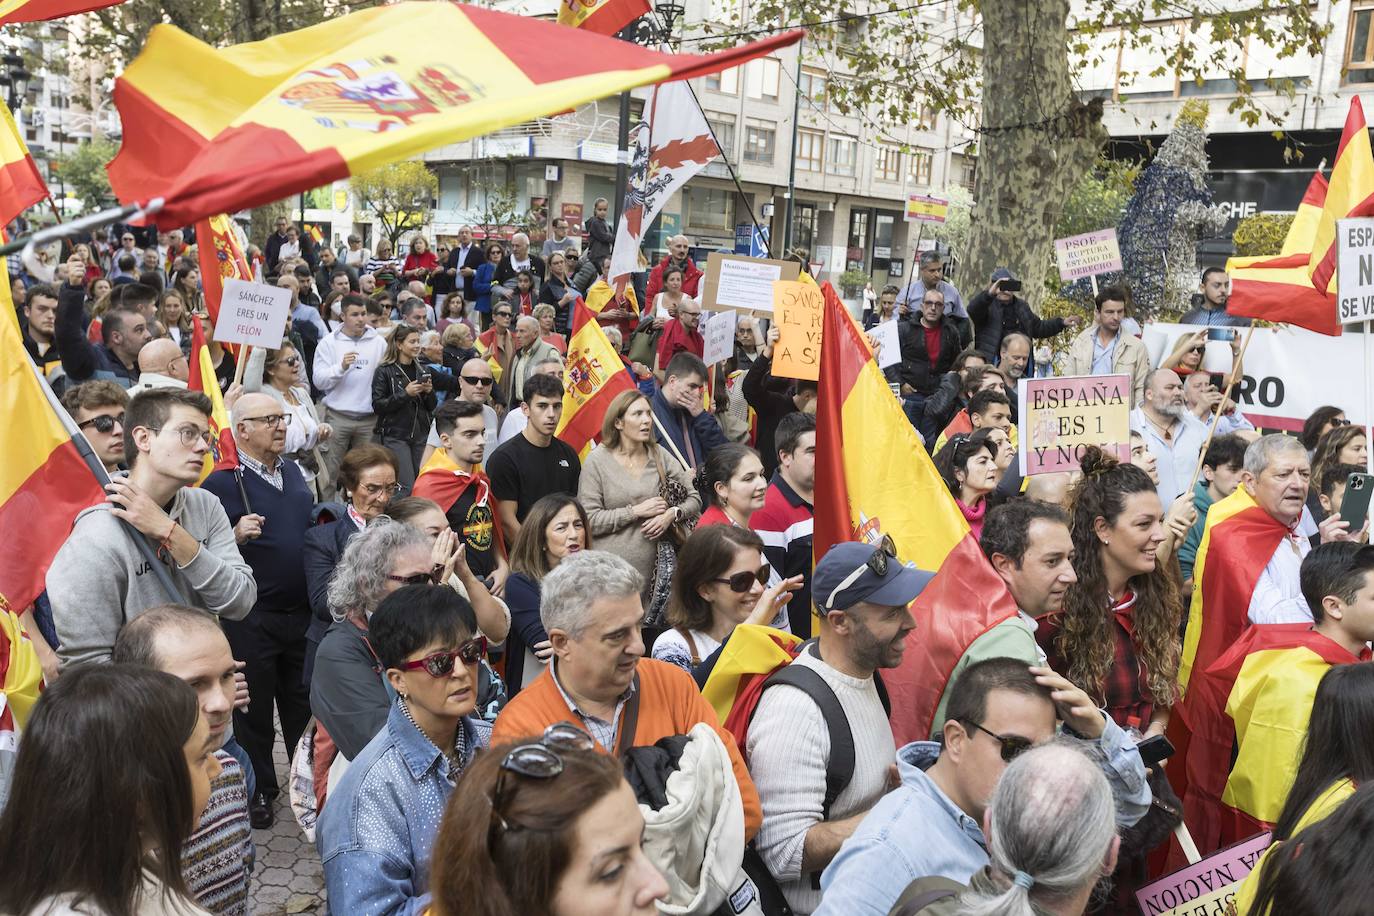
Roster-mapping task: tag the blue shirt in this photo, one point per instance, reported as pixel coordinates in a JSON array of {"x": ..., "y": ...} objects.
[
  {"x": 377, "y": 830},
  {"x": 912, "y": 294},
  {"x": 1104, "y": 356}
]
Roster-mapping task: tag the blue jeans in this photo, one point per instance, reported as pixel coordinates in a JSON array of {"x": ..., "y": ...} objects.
[{"x": 914, "y": 406}]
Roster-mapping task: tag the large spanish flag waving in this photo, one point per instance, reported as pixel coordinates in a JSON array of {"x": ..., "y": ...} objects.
[
  {"x": 604, "y": 17},
  {"x": 43, "y": 10},
  {"x": 594, "y": 376},
  {"x": 214, "y": 131},
  {"x": 20, "y": 184},
  {"x": 1247, "y": 714},
  {"x": 44, "y": 482},
  {"x": 224, "y": 453},
  {"x": 221, "y": 258},
  {"x": 879, "y": 480},
  {"x": 1350, "y": 192}
]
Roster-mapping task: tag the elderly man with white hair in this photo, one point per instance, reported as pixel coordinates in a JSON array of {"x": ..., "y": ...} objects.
[
  {"x": 530, "y": 350},
  {"x": 679, "y": 255},
  {"x": 161, "y": 364},
  {"x": 517, "y": 259}
]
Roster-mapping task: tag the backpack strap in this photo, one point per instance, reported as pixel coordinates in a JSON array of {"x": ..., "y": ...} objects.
[
  {"x": 839, "y": 767},
  {"x": 686, "y": 634},
  {"x": 629, "y": 720}
]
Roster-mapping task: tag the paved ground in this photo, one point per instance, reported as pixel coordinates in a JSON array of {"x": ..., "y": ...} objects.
[{"x": 287, "y": 878}]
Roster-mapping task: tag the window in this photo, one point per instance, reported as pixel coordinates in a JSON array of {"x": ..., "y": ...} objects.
[
  {"x": 888, "y": 164},
  {"x": 965, "y": 170},
  {"x": 844, "y": 155},
  {"x": 724, "y": 127},
  {"x": 812, "y": 86},
  {"x": 759, "y": 137},
  {"x": 1359, "y": 55},
  {"x": 761, "y": 79},
  {"x": 804, "y": 225},
  {"x": 710, "y": 208},
  {"x": 726, "y": 81},
  {"x": 926, "y": 119},
  {"x": 858, "y": 238},
  {"x": 919, "y": 166},
  {"x": 810, "y": 148}
]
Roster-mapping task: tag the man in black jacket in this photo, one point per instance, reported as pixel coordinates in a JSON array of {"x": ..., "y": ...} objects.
[
  {"x": 517, "y": 259},
  {"x": 998, "y": 311},
  {"x": 463, "y": 260},
  {"x": 930, "y": 344}
]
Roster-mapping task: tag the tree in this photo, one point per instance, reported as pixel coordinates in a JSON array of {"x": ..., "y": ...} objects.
[
  {"x": 400, "y": 195},
  {"x": 500, "y": 207},
  {"x": 83, "y": 171}
]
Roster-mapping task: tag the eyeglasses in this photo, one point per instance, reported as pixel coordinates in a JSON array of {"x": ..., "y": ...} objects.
[
  {"x": 372, "y": 489},
  {"x": 878, "y": 562},
  {"x": 273, "y": 420},
  {"x": 478, "y": 379},
  {"x": 535, "y": 761},
  {"x": 428, "y": 578},
  {"x": 189, "y": 435},
  {"x": 440, "y": 664},
  {"x": 103, "y": 423},
  {"x": 1013, "y": 746},
  {"x": 503, "y": 314},
  {"x": 741, "y": 582}
]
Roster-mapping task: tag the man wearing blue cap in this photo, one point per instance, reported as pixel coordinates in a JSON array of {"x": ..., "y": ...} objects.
[
  {"x": 998, "y": 311},
  {"x": 861, "y": 593}
]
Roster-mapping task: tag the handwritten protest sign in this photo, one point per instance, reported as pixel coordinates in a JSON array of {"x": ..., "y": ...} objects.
[
  {"x": 1061, "y": 417},
  {"x": 1207, "y": 886},
  {"x": 719, "y": 337},
  {"x": 742, "y": 283},
  {"x": 253, "y": 313},
  {"x": 885, "y": 333},
  {"x": 797, "y": 308},
  {"x": 1087, "y": 255}
]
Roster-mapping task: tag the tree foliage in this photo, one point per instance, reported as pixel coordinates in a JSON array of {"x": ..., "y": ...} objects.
[
  {"x": 400, "y": 195},
  {"x": 1261, "y": 234},
  {"x": 83, "y": 171}
]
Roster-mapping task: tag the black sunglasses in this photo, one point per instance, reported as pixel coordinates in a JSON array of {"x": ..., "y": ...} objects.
[
  {"x": 1013, "y": 746},
  {"x": 103, "y": 423},
  {"x": 504, "y": 314},
  {"x": 741, "y": 582},
  {"x": 430, "y": 578},
  {"x": 477, "y": 379},
  {"x": 535, "y": 761}
]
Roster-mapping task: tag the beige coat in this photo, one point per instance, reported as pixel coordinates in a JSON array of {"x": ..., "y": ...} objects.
[{"x": 1131, "y": 358}]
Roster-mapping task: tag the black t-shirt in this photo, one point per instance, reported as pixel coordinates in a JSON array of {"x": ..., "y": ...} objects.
[
  {"x": 476, "y": 527},
  {"x": 523, "y": 472}
]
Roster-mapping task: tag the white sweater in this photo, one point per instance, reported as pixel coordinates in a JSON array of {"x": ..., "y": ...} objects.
[
  {"x": 348, "y": 389},
  {"x": 787, "y": 751}
]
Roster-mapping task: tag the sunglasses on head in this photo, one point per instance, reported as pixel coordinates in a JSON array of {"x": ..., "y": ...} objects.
[
  {"x": 440, "y": 664},
  {"x": 741, "y": 582},
  {"x": 878, "y": 563},
  {"x": 103, "y": 423},
  {"x": 535, "y": 761},
  {"x": 1013, "y": 746}
]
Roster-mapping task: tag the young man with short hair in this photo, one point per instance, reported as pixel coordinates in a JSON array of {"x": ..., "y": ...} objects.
[
  {"x": 534, "y": 463},
  {"x": 100, "y": 580},
  {"x": 1222, "y": 466},
  {"x": 345, "y": 362},
  {"x": 98, "y": 409},
  {"x": 1104, "y": 349},
  {"x": 680, "y": 407},
  {"x": 988, "y": 408},
  {"x": 124, "y": 330},
  {"x": 787, "y": 519},
  {"x": 1331, "y": 491},
  {"x": 40, "y": 324}
]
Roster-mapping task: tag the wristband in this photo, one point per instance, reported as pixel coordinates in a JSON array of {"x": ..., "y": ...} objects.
[{"x": 165, "y": 545}]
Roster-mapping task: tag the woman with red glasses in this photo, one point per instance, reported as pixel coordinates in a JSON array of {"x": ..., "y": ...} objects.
[{"x": 377, "y": 832}]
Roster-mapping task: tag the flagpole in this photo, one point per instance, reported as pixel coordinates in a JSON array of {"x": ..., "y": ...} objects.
[
  {"x": 1216, "y": 417},
  {"x": 1368, "y": 398},
  {"x": 90, "y": 221}
]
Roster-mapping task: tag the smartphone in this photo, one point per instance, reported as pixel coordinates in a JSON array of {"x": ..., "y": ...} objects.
[
  {"x": 1155, "y": 749},
  {"x": 1221, "y": 334},
  {"x": 1355, "y": 504},
  {"x": 1218, "y": 381},
  {"x": 1010, "y": 286}
]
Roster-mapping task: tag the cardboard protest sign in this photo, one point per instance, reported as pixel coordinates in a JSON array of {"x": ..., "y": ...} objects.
[
  {"x": 797, "y": 310},
  {"x": 1087, "y": 255},
  {"x": 253, "y": 314},
  {"x": 745, "y": 284},
  {"x": 1061, "y": 417},
  {"x": 1207, "y": 886},
  {"x": 885, "y": 333},
  {"x": 719, "y": 337}
]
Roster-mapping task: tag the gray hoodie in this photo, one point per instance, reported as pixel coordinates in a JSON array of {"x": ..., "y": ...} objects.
[{"x": 99, "y": 580}]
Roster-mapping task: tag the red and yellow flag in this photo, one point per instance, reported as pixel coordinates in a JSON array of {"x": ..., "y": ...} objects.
[
  {"x": 44, "y": 482},
  {"x": 43, "y": 10},
  {"x": 20, "y": 184},
  {"x": 593, "y": 377},
  {"x": 881, "y": 481},
  {"x": 221, "y": 258},
  {"x": 1280, "y": 288},
  {"x": 604, "y": 17},
  {"x": 214, "y": 130},
  {"x": 224, "y": 453},
  {"x": 1350, "y": 192}
]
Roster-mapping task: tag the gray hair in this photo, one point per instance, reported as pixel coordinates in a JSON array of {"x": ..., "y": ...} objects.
[
  {"x": 428, "y": 338},
  {"x": 360, "y": 579},
  {"x": 1052, "y": 819},
  {"x": 931, "y": 257},
  {"x": 520, "y": 235},
  {"x": 1265, "y": 449},
  {"x": 527, "y": 321},
  {"x": 548, "y": 361},
  {"x": 1014, "y": 336},
  {"x": 679, "y": 238},
  {"x": 578, "y": 582},
  {"x": 614, "y": 336}
]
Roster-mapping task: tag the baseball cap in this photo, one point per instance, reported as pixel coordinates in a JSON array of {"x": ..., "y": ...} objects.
[
  {"x": 845, "y": 576},
  {"x": 1003, "y": 273}
]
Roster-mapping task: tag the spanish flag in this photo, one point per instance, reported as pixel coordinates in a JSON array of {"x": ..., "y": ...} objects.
[
  {"x": 593, "y": 377},
  {"x": 21, "y": 679},
  {"x": 221, "y": 258},
  {"x": 43, "y": 10},
  {"x": 224, "y": 454},
  {"x": 732, "y": 677},
  {"x": 44, "y": 481},
  {"x": 881, "y": 481},
  {"x": 1350, "y": 193},
  {"x": 20, "y": 184},
  {"x": 214, "y": 130},
  {"x": 441, "y": 480},
  {"x": 1279, "y": 288},
  {"x": 1238, "y": 541},
  {"x": 1248, "y": 714},
  {"x": 604, "y": 17}
]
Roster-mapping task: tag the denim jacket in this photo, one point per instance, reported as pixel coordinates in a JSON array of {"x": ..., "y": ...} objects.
[
  {"x": 916, "y": 831},
  {"x": 377, "y": 830}
]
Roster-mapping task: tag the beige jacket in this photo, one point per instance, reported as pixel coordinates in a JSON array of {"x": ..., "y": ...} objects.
[{"x": 1131, "y": 358}]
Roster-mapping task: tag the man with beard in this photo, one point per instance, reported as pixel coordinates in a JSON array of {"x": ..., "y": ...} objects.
[
  {"x": 1173, "y": 435},
  {"x": 861, "y": 593},
  {"x": 1211, "y": 305}
]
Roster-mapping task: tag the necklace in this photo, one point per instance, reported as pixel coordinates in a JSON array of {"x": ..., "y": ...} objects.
[{"x": 454, "y": 756}]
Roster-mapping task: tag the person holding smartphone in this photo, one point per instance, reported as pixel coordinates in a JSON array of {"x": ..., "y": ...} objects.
[
  {"x": 998, "y": 311},
  {"x": 403, "y": 400}
]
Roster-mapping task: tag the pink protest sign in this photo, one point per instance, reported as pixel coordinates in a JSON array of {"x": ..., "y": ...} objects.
[
  {"x": 1061, "y": 417},
  {"x": 1086, "y": 255},
  {"x": 1207, "y": 886}
]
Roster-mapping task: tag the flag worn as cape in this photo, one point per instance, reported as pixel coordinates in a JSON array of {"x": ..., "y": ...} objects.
[
  {"x": 1238, "y": 541},
  {"x": 604, "y": 17},
  {"x": 221, "y": 258},
  {"x": 879, "y": 480},
  {"x": 1247, "y": 715},
  {"x": 44, "y": 481},
  {"x": 20, "y": 184},
  {"x": 732, "y": 678},
  {"x": 224, "y": 453},
  {"x": 1278, "y": 288},
  {"x": 593, "y": 377},
  {"x": 441, "y": 480},
  {"x": 214, "y": 130},
  {"x": 1350, "y": 192}
]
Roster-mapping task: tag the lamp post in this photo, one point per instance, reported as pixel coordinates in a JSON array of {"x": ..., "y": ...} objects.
[{"x": 647, "y": 31}]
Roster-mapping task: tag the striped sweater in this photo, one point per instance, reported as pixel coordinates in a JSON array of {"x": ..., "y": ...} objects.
[{"x": 218, "y": 857}]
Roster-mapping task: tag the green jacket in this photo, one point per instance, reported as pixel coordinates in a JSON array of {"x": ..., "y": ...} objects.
[{"x": 1187, "y": 554}]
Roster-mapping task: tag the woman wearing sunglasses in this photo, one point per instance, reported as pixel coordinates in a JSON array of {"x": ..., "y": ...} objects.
[
  {"x": 548, "y": 827},
  {"x": 968, "y": 466},
  {"x": 280, "y": 373},
  {"x": 377, "y": 832},
  {"x": 720, "y": 583}
]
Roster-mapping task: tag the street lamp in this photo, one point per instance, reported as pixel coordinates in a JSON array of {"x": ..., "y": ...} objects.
[
  {"x": 16, "y": 78},
  {"x": 648, "y": 31}
]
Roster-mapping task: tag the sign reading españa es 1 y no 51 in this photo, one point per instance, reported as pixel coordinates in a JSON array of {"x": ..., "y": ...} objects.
[{"x": 1061, "y": 417}]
